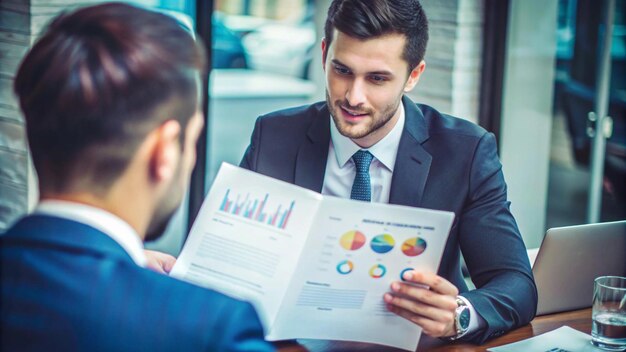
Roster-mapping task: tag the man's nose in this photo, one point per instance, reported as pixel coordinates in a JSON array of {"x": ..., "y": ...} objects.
[{"x": 355, "y": 95}]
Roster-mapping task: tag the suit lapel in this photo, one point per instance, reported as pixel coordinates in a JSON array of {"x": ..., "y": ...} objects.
[
  {"x": 413, "y": 161},
  {"x": 313, "y": 152}
]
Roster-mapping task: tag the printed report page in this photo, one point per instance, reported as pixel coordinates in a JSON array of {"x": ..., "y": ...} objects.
[
  {"x": 247, "y": 238},
  {"x": 354, "y": 252}
]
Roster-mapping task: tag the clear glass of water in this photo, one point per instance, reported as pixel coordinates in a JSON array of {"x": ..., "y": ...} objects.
[{"x": 609, "y": 313}]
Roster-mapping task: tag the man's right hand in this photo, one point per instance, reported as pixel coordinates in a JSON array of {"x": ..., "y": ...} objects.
[{"x": 431, "y": 305}]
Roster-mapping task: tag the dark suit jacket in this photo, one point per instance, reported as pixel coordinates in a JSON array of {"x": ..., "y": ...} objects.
[
  {"x": 443, "y": 163},
  {"x": 66, "y": 286}
]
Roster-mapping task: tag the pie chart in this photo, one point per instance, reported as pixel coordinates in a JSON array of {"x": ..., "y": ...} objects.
[
  {"x": 382, "y": 243},
  {"x": 378, "y": 271},
  {"x": 352, "y": 240},
  {"x": 413, "y": 247},
  {"x": 345, "y": 267}
]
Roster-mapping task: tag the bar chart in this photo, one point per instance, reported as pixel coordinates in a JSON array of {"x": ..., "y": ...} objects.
[{"x": 255, "y": 209}]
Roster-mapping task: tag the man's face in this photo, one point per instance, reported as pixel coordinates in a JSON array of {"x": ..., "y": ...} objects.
[
  {"x": 178, "y": 186},
  {"x": 365, "y": 81}
]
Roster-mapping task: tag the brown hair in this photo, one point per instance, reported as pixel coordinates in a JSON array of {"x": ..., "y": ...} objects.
[
  {"x": 96, "y": 83},
  {"x": 366, "y": 19}
]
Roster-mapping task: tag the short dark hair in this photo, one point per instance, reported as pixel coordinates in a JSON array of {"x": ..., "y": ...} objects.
[
  {"x": 96, "y": 82},
  {"x": 366, "y": 19}
]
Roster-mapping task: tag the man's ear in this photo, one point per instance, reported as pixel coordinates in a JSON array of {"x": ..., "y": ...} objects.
[
  {"x": 414, "y": 76},
  {"x": 166, "y": 151}
]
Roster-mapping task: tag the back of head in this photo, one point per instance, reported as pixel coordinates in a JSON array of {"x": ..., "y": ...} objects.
[
  {"x": 367, "y": 19},
  {"x": 96, "y": 83}
]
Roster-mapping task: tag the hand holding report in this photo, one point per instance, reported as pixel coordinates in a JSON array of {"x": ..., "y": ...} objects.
[{"x": 314, "y": 266}]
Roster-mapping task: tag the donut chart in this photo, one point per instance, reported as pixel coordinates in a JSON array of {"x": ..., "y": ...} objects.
[
  {"x": 377, "y": 271},
  {"x": 382, "y": 243},
  {"x": 352, "y": 240},
  {"x": 413, "y": 247},
  {"x": 345, "y": 267}
]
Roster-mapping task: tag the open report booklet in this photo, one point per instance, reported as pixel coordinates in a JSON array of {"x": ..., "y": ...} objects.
[{"x": 313, "y": 266}]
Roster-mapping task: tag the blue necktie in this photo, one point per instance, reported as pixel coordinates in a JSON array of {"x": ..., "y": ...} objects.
[{"x": 361, "y": 188}]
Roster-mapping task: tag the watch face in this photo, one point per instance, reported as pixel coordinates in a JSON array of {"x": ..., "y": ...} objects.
[{"x": 464, "y": 318}]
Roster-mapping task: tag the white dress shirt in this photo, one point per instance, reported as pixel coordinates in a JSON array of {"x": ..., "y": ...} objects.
[
  {"x": 103, "y": 221},
  {"x": 341, "y": 170}
]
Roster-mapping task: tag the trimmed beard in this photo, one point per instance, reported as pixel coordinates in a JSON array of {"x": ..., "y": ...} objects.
[{"x": 387, "y": 114}]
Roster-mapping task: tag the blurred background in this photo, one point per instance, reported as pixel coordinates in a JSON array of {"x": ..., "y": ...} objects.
[{"x": 526, "y": 70}]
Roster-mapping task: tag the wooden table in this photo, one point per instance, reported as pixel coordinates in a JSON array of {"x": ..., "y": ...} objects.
[{"x": 579, "y": 320}]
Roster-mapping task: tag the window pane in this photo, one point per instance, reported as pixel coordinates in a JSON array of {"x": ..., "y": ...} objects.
[{"x": 262, "y": 52}]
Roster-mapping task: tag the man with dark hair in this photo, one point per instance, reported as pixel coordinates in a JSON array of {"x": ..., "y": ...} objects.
[
  {"x": 111, "y": 96},
  {"x": 370, "y": 142}
]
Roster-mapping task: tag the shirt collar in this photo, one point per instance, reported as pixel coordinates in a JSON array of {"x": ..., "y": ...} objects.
[
  {"x": 384, "y": 151},
  {"x": 111, "y": 225}
]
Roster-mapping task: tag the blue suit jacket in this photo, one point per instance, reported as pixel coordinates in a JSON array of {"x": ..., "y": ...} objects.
[
  {"x": 69, "y": 287},
  {"x": 443, "y": 163}
]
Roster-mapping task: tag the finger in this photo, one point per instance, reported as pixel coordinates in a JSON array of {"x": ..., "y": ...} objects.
[
  {"x": 154, "y": 265},
  {"x": 434, "y": 281},
  {"x": 168, "y": 263},
  {"x": 423, "y": 295},
  {"x": 159, "y": 262},
  {"x": 418, "y": 308}
]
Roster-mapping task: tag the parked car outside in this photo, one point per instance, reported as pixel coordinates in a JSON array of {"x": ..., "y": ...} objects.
[
  {"x": 227, "y": 48},
  {"x": 282, "y": 48}
]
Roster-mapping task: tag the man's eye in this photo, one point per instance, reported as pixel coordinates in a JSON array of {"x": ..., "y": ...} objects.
[
  {"x": 378, "y": 79},
  {"x": 342, "y": 70}
]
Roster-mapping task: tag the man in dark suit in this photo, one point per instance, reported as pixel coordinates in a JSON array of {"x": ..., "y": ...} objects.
[
  {"x": 370, "y": 142},
  {"x": 110, "y": 95}
]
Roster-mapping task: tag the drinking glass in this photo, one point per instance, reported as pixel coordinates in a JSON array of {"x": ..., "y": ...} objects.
[{"x": 609, "y": 313}]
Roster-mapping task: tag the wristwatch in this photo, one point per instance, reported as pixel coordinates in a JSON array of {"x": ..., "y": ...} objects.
[{"x": 461, "y": 319}]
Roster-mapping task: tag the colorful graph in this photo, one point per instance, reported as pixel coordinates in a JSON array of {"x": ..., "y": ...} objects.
[
  {"x": 254, "y": 210},
  {"x": 414, "y": 246},
  {"x": 352, "y": 240},
  {"x": 382, "y": 243},
  {"x": 345, "y": 267},
  {"x": 378, "y": 271}
]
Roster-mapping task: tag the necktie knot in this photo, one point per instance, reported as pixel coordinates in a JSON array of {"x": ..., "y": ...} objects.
[
  {"x": 361, "y": 187},
  {"x": 362, "y": 160}
]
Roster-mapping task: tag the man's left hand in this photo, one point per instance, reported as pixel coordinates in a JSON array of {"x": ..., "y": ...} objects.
[
  {"x": 159, "y": 261},
  {"x": 430, "y": 305}
]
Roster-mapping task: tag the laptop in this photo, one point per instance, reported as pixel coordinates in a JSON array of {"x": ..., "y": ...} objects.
[{"x": 570, "y": 258}]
